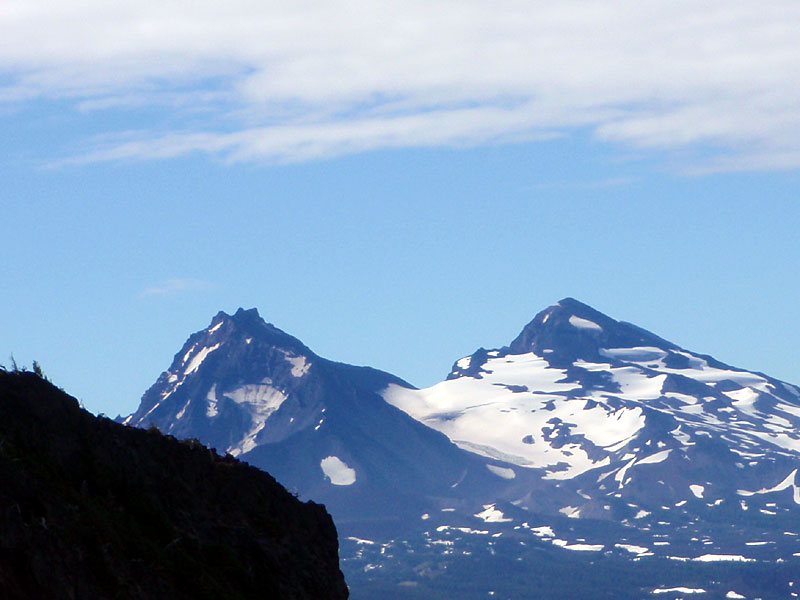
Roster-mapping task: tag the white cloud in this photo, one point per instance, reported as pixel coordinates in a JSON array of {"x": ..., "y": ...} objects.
[
  {"x": 175, "y": 286},
  {"x": 297, "y": 80}
]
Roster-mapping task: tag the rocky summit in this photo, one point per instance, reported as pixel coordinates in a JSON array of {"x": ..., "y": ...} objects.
[{"x": 320, "y": 427}]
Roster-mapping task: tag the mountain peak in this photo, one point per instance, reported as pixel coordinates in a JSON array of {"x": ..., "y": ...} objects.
[
  {"x": 241, "y": 355},
  {"x": 570, "y": 303},
  {"x": 241, "y": 315},
  {"x": 570, "y": 307},
  {"x": 569, "y": 330},
  {"x": 248, "y": 323},
  {"x": 249, "y": 313}
]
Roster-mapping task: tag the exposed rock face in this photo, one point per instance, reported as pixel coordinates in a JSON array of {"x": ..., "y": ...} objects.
[{"x": 92, "y": 509}]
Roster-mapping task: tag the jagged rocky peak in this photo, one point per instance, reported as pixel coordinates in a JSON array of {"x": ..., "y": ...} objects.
[
  {"x": 238, "y": 368},
  {"x": 247, "y": 325},
  {"x": 570, "y": 330},
  {"x": 243, "y": 340}
]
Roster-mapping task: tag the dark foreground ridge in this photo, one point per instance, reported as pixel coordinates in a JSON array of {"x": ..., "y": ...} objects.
[{"x": 93, "y": 509}]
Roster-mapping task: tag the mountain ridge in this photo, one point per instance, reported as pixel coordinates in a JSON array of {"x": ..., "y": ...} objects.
[
  {"x": 92, "y": 509},
  {"x": 585, "y": 433}
]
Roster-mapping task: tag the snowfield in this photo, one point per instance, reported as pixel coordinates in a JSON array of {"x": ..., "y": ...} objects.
[{"x": 520, "y": 409}]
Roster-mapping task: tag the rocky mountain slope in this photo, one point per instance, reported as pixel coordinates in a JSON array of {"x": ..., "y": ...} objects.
[
  {"x": 321, "y": 428},
  {"x": 91, "y": 509}
]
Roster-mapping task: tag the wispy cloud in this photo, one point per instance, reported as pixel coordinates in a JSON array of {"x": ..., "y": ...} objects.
[
  {"x": 279, "y": 81},
  {"x": 307, "y": 141},
  {"x": 175, "y": 286}
]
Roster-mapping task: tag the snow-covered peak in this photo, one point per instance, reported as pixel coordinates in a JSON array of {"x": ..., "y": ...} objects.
[
  {"x": 624, "y": 418},
  {"x": 570, "y": 330}
]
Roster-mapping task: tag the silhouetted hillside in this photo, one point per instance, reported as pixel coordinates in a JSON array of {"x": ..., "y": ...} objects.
[{"x": 92, "y": 509}]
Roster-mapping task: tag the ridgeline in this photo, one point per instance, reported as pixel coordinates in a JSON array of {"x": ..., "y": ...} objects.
[{"x": 92, "y": 509}]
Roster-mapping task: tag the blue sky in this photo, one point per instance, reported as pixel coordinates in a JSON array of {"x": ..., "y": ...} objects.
[{"x": 397, "y": 185}]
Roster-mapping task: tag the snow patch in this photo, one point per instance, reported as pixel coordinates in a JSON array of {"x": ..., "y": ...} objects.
[
  {"x": 679, "y": 590},
  {"x": 299, "y": 364},
  {"x": 182, "y": 411},
  {"x": 580, "y": 323},
  {"x": 155, "y": 406},
  {"x": 188, "y": 354},
  {"x": 215, "y": 327},
  {"x": 654, "y": 458},
  {"x": 581, "y": 547},
  {"x": 259, "y": 396},
  {"x": 492, "y": 515},
  {"x": 503, "y": 472},
  {"x": 788, "y": 482},
  {"x": 543, "y": 531},
  {"x": 571, "y": 511},
  {"x": 198, "y": 359},
  {"x": 632, "y": 548},
  {"x": 441, "y": 528},
  {"x": 211, "y": 397},
  {"x": 337, "y": 471},
  {"x": 463, "y": 363},
  {"x": 261, "y": 401},
  {"x": 619, "y": 476},
  {"x": 723, "y": 558},
  {"x": 697, "y": 489},
  {"x": 638, "y": 354}
]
